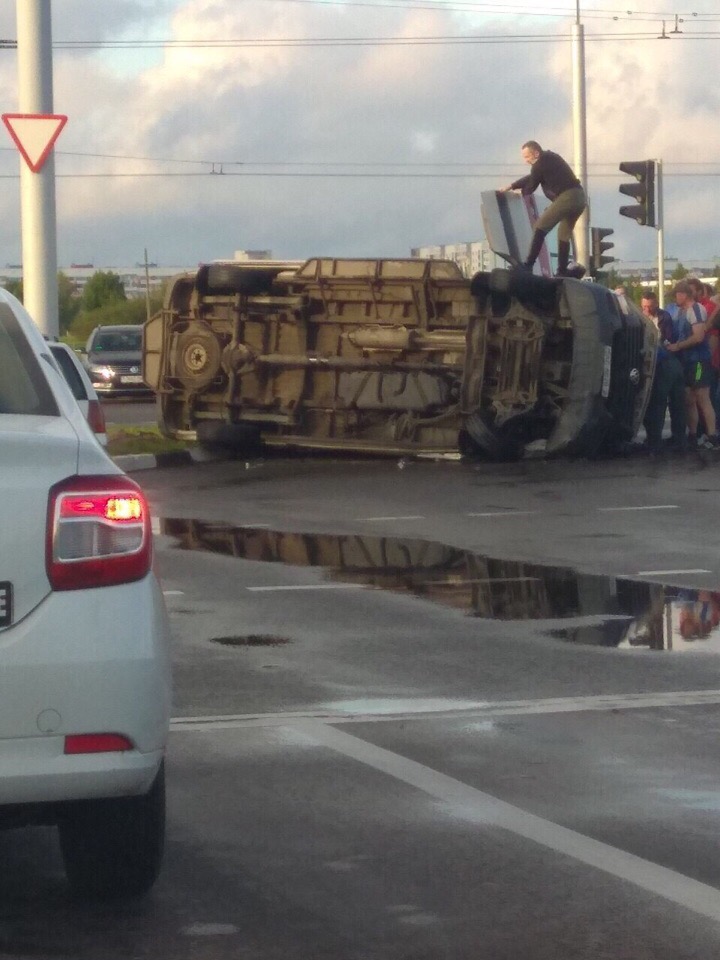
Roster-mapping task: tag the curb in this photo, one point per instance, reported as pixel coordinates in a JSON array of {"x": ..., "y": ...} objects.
[{"x": 131, "y": 462}]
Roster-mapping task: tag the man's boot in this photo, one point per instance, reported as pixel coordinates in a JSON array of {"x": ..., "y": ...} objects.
[
  {"x": 563, "y": 258},
  {"x": 535, "y": 248}
]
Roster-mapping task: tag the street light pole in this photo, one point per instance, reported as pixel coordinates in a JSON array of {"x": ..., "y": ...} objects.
[
  {"x": 37, "y": 190},
  {"x": 661, "y": 233},
  {"x": 580, "y": 134}
]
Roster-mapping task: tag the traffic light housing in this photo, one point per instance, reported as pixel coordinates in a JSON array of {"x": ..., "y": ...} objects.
[
  {"x": 598, "y": 246},
  {"x": 643, "y": 191}
]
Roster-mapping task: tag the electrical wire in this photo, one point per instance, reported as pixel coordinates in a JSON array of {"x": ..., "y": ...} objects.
[{"x": 434, "y": 40}]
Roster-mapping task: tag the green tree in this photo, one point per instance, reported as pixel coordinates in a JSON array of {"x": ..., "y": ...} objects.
[
  {"x": 15, "y": 287},
  {"x": 679, "y": 273},
  {"x": 103, "y": 287},
  {"x": 68, "y": 302},
  {"x": 116, "y": 312}
]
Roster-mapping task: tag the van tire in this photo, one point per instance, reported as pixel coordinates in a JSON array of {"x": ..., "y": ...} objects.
[
  {"x": 227, "y": 278},
  {"x": 198, "y": 356},
  {"x": 229, "y": 439},
  {"x": 521, "y": 284}
]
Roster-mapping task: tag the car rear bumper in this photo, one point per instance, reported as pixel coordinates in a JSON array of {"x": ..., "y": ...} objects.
[
  {"x": 36, "y": 770},
  {"x": 111, "y": 389},
  {"x": 84, "y": 662}
]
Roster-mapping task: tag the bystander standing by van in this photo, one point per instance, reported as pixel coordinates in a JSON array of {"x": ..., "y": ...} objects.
[
  {"x": 668, "y": 389},
  {"x": 694, "y": 354}
]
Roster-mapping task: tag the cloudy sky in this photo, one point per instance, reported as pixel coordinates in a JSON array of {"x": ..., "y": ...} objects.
[{"x": 199, "y": 127}]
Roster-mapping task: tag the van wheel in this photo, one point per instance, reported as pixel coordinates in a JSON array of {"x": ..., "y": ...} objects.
[
  {"x": 232, "y": 439},
  {"x": 198, "y": 356},
  {"x": 113, "y": 848},
  {"x": 522, "y": 284}
]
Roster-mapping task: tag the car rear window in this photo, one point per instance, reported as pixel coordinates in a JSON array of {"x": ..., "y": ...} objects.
[
  {"x": 23, "y": 388},
  {"x": 70, "y": 372},
  {"x": 129, "y": 341}
]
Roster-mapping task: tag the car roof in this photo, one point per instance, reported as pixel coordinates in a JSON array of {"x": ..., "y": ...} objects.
[
  {"x": 119, "y": 326},
  {"x": 91, "y": 453}
]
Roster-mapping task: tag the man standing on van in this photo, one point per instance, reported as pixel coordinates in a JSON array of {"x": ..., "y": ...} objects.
[{"x": 563, "y": 189}]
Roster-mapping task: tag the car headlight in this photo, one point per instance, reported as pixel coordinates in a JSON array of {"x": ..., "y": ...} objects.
[{"x": 106, "y": 373}]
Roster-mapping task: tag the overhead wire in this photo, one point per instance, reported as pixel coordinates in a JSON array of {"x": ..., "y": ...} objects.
[{"x": 348, "y": 168}]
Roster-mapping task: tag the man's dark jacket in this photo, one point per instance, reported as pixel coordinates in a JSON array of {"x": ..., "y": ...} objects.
[{"x": 550, "y": 172}]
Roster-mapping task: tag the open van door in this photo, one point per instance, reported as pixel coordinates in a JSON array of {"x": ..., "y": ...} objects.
[{"x": 509, "y": 220}]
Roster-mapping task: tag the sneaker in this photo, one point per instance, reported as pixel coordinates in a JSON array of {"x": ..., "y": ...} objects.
[{"x": 711, "y": 443}]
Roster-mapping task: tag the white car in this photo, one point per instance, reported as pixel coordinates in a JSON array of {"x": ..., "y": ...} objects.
[
  {"x": 84, "y": 638},
  {"x": 81, "y": 387}
]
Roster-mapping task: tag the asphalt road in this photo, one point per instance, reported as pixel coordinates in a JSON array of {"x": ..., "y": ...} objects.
[{"x": 417, "y": 716}]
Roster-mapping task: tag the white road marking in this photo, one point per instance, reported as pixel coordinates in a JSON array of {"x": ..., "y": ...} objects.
[
  {"x": 667, "y": 573},
  {"x": 482, "y": 808},
  {"x": 155, "y": 525},
  {"x": 210, "y": 930},
  {"x": 380, "y": 519},
  {"x": 505, "y": 513},
  {"x": 497, "y": 708},
  {"x": 456, "y": 583},
  {"x": 173, "y": 593},
  {"x": 663, "y": 506},
  {"x": 309, "y": 586}
]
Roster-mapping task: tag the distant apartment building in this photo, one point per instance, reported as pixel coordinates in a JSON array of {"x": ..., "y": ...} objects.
[
  {"x": 470, "y": 257},
  {"x": 252, "y": 255},
  {"x": 647, "y": 270},
  {"x": 133, "y": 278}
]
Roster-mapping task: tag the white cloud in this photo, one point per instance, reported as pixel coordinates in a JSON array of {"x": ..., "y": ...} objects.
[{"x": 345, "y": 105}]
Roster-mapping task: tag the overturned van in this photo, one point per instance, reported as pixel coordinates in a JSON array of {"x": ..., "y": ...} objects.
[{"x": 395, "y": 356}]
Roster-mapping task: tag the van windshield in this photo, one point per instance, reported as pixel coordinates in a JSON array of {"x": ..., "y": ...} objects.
[{"x": 115, "y": 341}]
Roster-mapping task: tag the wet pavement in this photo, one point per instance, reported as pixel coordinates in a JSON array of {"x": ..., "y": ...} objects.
[
  {"x": 423, "y": 713},
  {"x": 613, "y": 612}
]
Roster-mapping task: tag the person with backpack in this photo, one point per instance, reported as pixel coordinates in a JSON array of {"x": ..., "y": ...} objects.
[{"x": 694, "y": 354}]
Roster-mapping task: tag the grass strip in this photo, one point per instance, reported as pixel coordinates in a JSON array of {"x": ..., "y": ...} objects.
[{"x": 123, "y": 439}]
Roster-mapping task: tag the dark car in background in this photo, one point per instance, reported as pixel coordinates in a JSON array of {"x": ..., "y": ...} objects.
[{"x": 113, "y": 359}]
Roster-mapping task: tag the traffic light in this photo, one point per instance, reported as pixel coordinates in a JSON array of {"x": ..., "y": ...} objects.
[
  {"x": 597, "y": 249},
  {"x": 643, "y": 191}
]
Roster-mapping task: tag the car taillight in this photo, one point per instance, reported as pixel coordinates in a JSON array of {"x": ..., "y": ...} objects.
[
  {"x": 98, "y": 533},
  {"x": 96, "y": 417}
]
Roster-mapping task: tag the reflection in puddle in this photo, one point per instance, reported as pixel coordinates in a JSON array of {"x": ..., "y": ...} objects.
[{"x": 626, "y": 613}]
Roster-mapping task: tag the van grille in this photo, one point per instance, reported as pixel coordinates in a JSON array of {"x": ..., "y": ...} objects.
[{"x": 626, "y": 375}]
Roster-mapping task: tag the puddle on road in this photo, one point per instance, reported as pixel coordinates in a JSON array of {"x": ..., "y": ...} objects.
[{"x": 614, "y": 612}]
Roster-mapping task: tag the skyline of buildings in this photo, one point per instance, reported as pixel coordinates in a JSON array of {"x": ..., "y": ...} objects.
[{"x": 471, "y": 257}]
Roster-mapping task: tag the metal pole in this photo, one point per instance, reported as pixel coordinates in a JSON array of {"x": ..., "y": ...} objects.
[
  {"x": 37, "y": 190},
  {"x": 147, "y": 286},
  {"x": 582, "y": 229},
  {"x": 661, "y": 234}
]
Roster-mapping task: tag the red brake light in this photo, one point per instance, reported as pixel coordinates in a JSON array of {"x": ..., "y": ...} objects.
[{"x": 98, "y": 533}]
